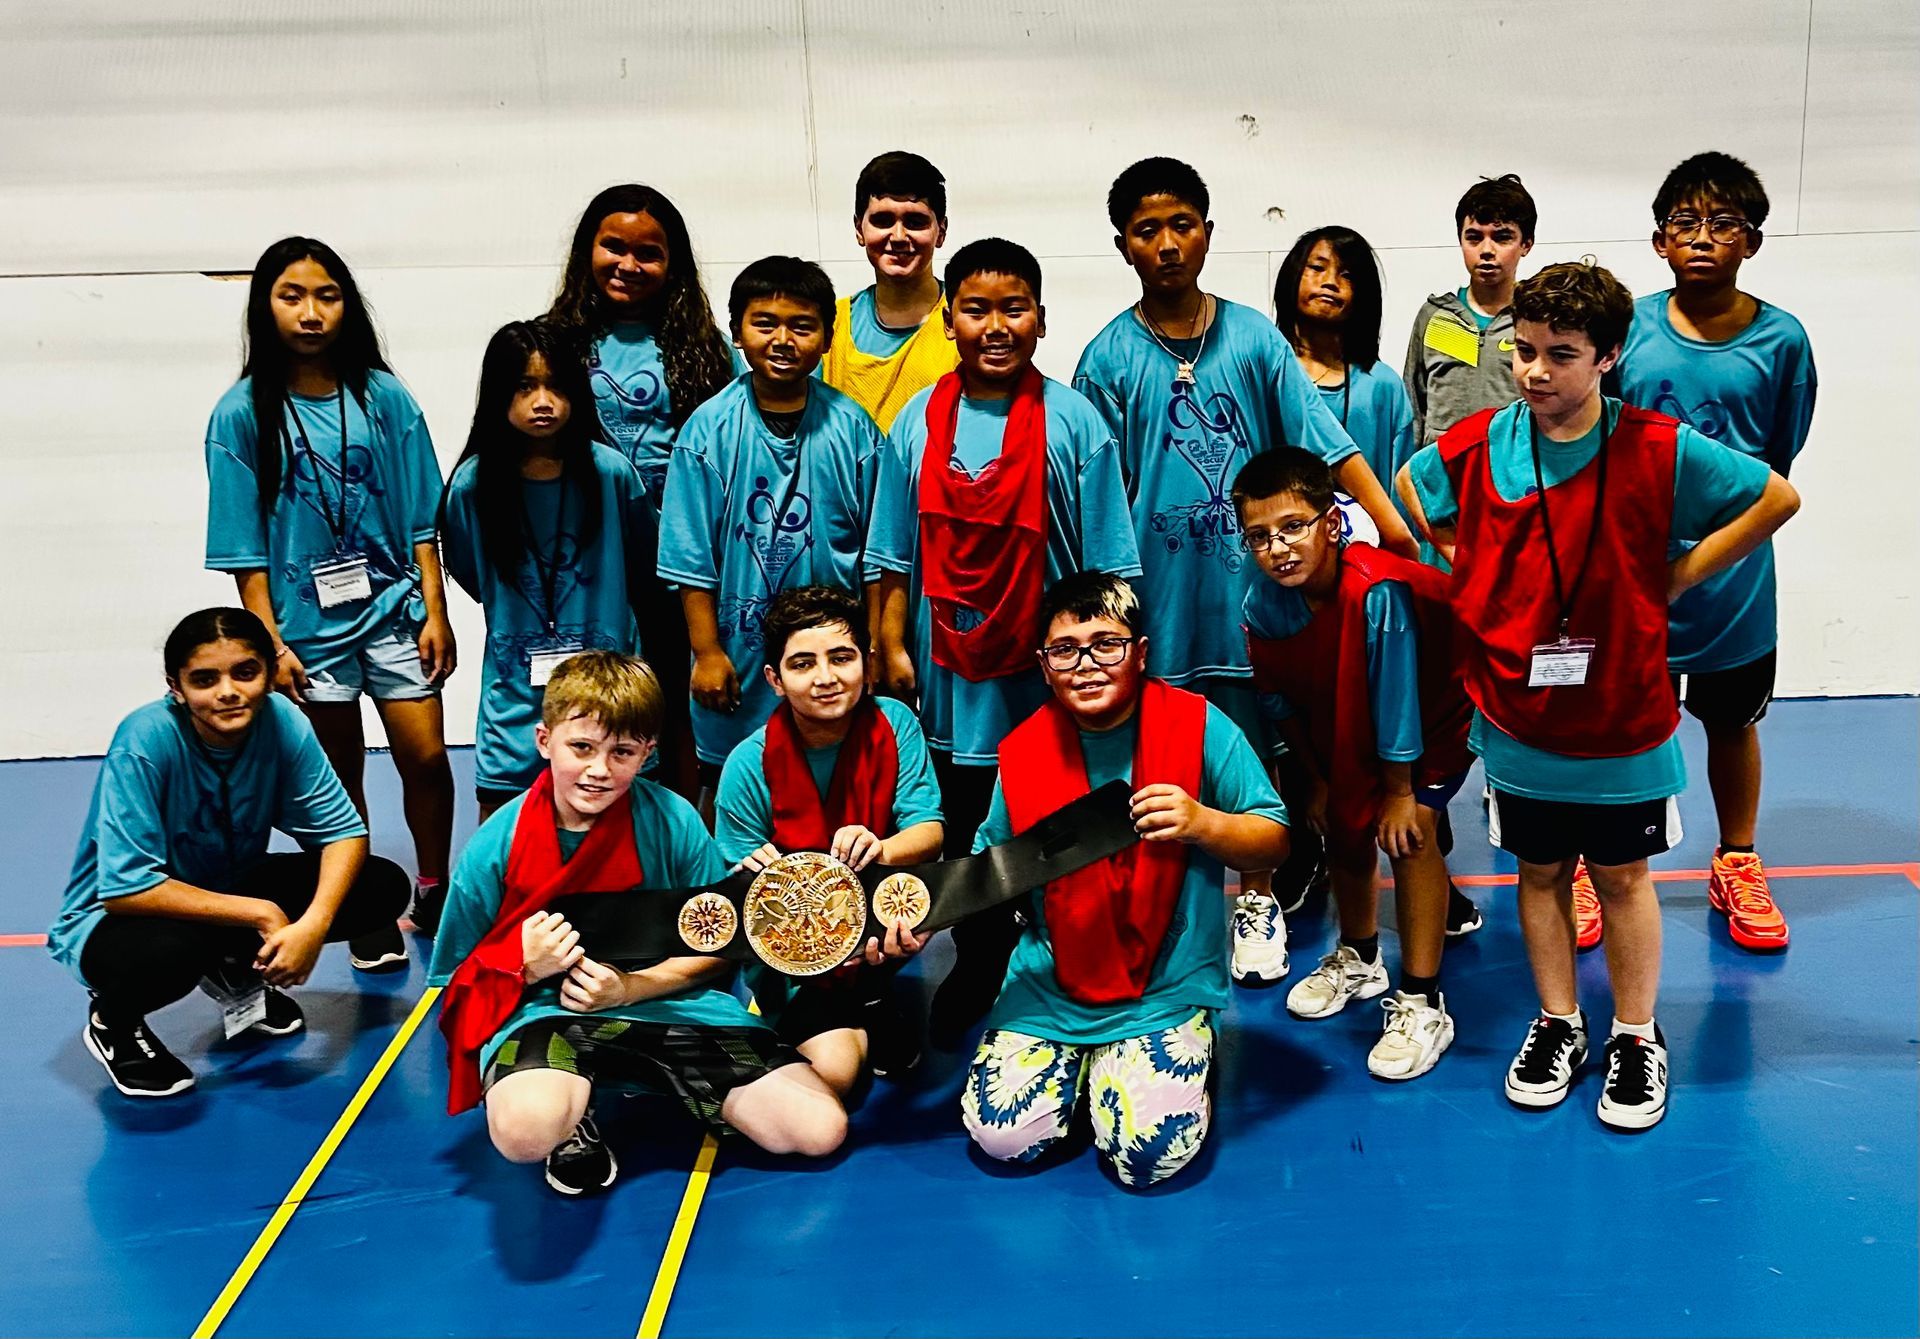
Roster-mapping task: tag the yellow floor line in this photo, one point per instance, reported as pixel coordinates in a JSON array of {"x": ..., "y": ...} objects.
[{"x": 217, "y": 1314}]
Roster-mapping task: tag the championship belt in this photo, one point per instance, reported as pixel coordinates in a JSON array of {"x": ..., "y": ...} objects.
[{"x": 807, "y": 912}]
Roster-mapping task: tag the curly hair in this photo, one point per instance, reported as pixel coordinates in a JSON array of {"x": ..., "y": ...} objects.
[
  {"x": 691, "y": 346},
  {"x": 1577, "y": 295}
]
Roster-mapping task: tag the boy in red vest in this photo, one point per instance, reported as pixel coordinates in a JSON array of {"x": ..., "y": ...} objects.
[
  {"x": 535, "y": 1026},
  {"x": 1557, "y": 513},
  {"x": 1000, "y": 481},
  {"x": 1122, "y": 965},
  {"x": 834, "y": 769},
  {"x": 1353, "y": 648}
]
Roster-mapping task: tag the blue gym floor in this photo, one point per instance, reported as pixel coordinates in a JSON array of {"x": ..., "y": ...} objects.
[{"x": 1779, "y": 1196}]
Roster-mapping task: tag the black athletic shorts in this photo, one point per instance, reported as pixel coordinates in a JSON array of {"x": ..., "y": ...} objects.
[
  {"x": 695, "y": 1063},
  {"x": 1728, "y": 699},
  {"x": 1545, "y": 832}
]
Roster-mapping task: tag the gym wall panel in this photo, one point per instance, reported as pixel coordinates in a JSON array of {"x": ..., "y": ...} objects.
[{"x": 455, "y": 144}]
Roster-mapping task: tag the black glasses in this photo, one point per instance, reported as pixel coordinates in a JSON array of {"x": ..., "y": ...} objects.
[
  {"x": 1726, "y": 229},
  {"x": 1289, "y": 533},
  {"x": 1064, "y": 657}
]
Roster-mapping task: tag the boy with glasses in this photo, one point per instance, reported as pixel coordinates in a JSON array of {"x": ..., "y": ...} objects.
[
  {"x": 1353, "y": 649},
  {"x": 1741, "y": 371}
]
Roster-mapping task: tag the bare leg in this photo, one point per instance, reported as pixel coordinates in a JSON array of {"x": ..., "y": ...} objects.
[
  {"x": 416, "y": 731},
  {"x": 791, "y": 1110},
  {"x": 531, "y": 1113},
  {"x": 337, "y": 725},
  {"x": 1356, "y": 893},
  {"x": 1546, "y": 923},
  {"x": 1733, "y": 771},
  {"x": 1420, "y": 891},
  {"x": 837, "y": 1057},
  {"x": 1633, "y": 937}
]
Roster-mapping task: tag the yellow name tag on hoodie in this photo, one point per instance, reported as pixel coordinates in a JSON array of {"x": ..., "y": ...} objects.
[{"x": 1445, "y": 334}]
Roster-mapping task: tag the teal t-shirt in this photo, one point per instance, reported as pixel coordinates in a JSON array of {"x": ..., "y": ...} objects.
[
  {"x": 630, "y": 390},
  {"x": 1191, "y": 971},
  {"x": 1754, "y": 393},
  {"x": 1480, "y": 318},
  {"x": 869, "y": 336},
  {"x": 1393, "y": 659},
  {"x": 1373, "y": 406},
  {"x": 675, "y": 852},
  {"x": 167, "y": 806},
  {"x": 1087, "y": 530},
  {"x": 1711, "y": 486},
  {"x": 1180, "y": 448},
  {"x": 384, "y": 474},
  {"x": 593, "y": 608},
  {"x": 749, "y": 514},
  {"x": 743, "y": 813}
]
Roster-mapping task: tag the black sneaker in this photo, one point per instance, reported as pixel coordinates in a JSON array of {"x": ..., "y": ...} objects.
[
  {"x": 429, "y": 900},
  {"x": 138, "y": 1062},
  {"x": 893, "y": 1044},
  {"x": 1635, "y": 1097},
  {"x": 1292, "y": 898},
  {"x": 584, "y": 1164},
  {"x": 230, "y": 980},
  {"x": 1543, "y": 1071},
  {"x": 284, "y": 1015},
  {"x": 382, "y": 950},
  {"x": 1463, "y": 917}
]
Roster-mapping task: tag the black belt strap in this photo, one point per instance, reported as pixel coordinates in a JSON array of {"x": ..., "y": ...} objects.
[{"x": 620, "y": 928}]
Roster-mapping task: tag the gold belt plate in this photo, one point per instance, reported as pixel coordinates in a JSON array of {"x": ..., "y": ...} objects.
[{"x": 805, "y": 913}]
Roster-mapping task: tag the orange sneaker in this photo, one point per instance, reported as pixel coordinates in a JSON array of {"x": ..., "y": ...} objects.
[
  {"x": 1738, "y": 891},
  {"x": 1587, "y": 928}
]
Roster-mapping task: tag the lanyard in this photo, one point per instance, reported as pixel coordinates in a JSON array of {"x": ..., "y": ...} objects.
[
  {"x": 222, "y": 768},
  {"x": 548, "y": 568},
  {"x": 337, "y": 525},
  {"x": 1564, "y": 598}
]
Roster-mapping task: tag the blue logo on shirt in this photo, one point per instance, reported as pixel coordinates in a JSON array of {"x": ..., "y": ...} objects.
[
  {"x": 1212, "y": 439},
  {"x": 1709, "y": 416},
  {"x": 778, "y": 537},
  {"x": 637, "y": 402}
]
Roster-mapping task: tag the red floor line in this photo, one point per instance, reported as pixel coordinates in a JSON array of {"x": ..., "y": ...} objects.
[
  {"x": 1909, "y": 870},
  {"x": 22, "y": 941}
]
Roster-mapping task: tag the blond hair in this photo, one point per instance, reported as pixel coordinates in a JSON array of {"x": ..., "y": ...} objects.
[{"x": 619, "y": 691}]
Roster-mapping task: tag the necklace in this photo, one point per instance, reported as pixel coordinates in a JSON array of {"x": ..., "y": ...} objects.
[{"x": 1182, "y": 369}]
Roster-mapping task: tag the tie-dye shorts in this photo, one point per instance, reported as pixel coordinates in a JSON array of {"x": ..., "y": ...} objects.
[{"x": 1147, "y": 1097}]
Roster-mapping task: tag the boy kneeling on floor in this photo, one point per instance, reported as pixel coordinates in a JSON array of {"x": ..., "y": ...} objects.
[
  {"x": 535, "y": 1025},
  {"x": 1122, "y": 965}
]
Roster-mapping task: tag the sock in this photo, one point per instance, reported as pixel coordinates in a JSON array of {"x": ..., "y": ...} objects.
[
  {"x": 1429, "y": 986},
  {"x": 1735, "y": 850},
  {"x": 1645, "y": 1031},
  {"x": 1368, "y": 948},
  {"x": 1573, "y": 1018},
  {"x": 423, "y": 883}
]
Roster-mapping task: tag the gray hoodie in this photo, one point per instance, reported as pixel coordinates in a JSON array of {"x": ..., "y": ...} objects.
[{"x": 1454, "y": 368}]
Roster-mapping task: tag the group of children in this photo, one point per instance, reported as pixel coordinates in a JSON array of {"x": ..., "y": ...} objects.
[{"x": 868, "y": 583}]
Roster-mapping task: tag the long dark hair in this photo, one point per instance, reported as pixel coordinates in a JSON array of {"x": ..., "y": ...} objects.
[
  {"x": 1360, "y": 332},
  {"x": 220, "y": 624},
  {"x": 500, "y": 448},
  {"x": 265, "y": 361},
  {"x": 691, "y": 345}
]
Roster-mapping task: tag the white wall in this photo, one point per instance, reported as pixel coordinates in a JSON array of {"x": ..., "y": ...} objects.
[{"x": 445, "y": 149}]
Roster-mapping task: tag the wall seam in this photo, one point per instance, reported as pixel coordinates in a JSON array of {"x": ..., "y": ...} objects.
[
  {"x": 1806, "y": 104},
  {"x": 813, "y": 134}
]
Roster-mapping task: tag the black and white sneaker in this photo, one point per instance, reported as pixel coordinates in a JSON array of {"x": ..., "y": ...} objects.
[
  {"x": 1292, "y": 898},
  {"x": 381, "y": 950},
  {"x": 1543, "y": 1071},
  {"x": 583, "y": 1164},
  {"x": 230, "y": 980},
  {"x": 138, "y": 1062},
  {"x": 1463, "y": 917},
  {"x": 284, "y": 1016},
  {"x": 1635, "y": 1097}
]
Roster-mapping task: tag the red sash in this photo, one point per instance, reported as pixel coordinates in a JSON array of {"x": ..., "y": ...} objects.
[
  {"x": 983, "y": 540},
  {"x": 1322, "y": 671},
  {"x": 865, "y": 773},
  {"x": 1106, "y": 922},
  {"x": 486, "y": 990},
  {"x": 1504, "y": 597}
]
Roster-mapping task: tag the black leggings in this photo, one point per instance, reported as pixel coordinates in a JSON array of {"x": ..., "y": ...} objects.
[
  {"x": 136, "y": 964},
  {"x": 966, "y": 793}
]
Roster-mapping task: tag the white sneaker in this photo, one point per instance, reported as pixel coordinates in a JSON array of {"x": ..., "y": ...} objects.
[
  {"x": 1414, "y": 1038},
  {"x": 1341, "y": 976},
  {"x": 1259, "y": 940}
]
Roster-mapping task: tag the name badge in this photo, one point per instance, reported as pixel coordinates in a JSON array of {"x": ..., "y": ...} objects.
[
  {"x": 542, "y": 664},
  {"x": 238, "y": 1012},
  {"x": 341, "y": 581},
  {"x": 1561, "y": 664}
]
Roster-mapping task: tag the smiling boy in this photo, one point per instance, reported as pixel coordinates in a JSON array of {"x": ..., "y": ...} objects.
[
  {"x": 998, "y": 482},
  {"x": 889, "y": 341},
  {"x": 1741, "y": 371},
  {"x": 1557, "y": 514},
  {"x": 1122, "y": 966},
  {"x": 770, "y": 486},
  {"x": 834, "y": 769},
  {"x": 534, "y": 1025}
]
